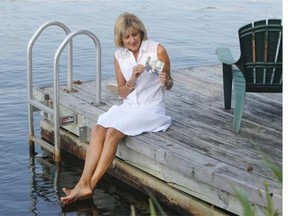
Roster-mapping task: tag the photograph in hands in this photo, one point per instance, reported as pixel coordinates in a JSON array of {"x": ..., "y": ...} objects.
[{"x": 154, "y": 66}]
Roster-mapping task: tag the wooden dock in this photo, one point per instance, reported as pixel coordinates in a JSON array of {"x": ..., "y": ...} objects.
[{"x": 197, "y": 162}]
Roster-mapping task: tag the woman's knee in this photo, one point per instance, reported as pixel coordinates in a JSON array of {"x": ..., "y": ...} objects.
[
  {"x": 114, "y": 135},
  {"x": 98, "y": 131},
  {"x": 98, "y": 128}
]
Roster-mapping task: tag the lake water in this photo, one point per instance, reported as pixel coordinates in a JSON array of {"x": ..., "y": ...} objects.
[{"x": 190, "y": 31}]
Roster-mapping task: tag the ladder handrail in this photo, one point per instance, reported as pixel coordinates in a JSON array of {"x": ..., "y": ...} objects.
[
  {"x": 56, "y": 106},
  {"x": 29, "y": 54},
  {"x": 56, "y": 78},
  {"x": 98, "y": 61},
  {"x": 30, "y": 80}
]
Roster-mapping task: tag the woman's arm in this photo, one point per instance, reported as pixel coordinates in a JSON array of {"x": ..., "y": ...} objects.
[
  {"x": 126, "y": 87},
  {"x": 165, "y": 76}
]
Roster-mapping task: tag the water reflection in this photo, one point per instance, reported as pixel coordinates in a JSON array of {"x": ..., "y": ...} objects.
[
  {"x": 44, "y": 181},
  {"x": 85, "y": 207},
  {"x": 48, "y": 178},
  {"x": 45, "y": 186}
]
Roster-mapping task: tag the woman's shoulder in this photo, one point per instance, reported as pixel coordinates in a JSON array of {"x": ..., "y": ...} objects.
[
  {"x": 122, "y": 53},
  {"x": 150, "y": 45},
  {"x": 156, "y": 46}
]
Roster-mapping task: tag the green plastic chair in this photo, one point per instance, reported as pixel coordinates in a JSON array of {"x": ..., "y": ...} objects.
[{"x": 259, "y": 68}]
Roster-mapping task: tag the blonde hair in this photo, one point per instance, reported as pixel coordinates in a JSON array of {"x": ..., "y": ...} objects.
[{"x": 128, "y": 23}]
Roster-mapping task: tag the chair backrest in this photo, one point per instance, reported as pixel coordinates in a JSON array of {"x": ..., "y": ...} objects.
[{"x": 261, "y": 55}]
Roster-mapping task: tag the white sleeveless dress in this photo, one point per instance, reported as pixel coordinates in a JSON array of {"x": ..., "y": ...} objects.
[{"x": 144, "y": 109}]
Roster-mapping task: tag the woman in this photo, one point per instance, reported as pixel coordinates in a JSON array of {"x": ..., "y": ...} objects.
[{"x": 143, "y": 107}]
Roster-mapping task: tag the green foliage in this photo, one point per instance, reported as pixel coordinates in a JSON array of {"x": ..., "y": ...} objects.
[
  {"x": 152, "y": 208},
  {"x": 248, "y": 209},
  {"x": 152, "y": 202},
  {"x": 277, "y": 172},
  {"x": 269, "y": 204}
]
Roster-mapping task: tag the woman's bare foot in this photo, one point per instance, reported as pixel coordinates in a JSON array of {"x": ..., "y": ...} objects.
[{"x": 78, "y": 193}]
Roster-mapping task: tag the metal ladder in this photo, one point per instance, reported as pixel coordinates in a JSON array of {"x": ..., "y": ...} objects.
[{"x": 35, "y": 105}]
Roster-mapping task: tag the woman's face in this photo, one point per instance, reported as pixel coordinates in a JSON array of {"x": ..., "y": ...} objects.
[{"x": 132, "y": 40}]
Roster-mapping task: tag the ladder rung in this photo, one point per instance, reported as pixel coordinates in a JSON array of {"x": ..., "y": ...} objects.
[
  {"x": 41, "y": 106},
  {"x": 43, "y": 144}
]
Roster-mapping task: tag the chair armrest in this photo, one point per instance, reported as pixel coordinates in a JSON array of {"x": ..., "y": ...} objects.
[{"x": 225, "y": 56}]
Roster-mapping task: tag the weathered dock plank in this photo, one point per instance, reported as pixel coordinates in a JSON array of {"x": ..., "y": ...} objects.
[{"x": 200, "y": 155}]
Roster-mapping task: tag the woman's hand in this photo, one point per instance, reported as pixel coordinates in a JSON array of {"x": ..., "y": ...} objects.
[
  {"x": 165, "y": 76},
  {"x": 165, "y": 80},
  {"x": 137, "y": 71}
]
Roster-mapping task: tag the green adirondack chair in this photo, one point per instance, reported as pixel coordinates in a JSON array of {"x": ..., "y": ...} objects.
[{"x": 259, "y": 68}]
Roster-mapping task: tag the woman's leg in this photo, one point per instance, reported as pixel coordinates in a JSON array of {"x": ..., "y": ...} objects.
[
  {"x": 83, "y": 188},
  {"x": 112, "y": 139}
]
